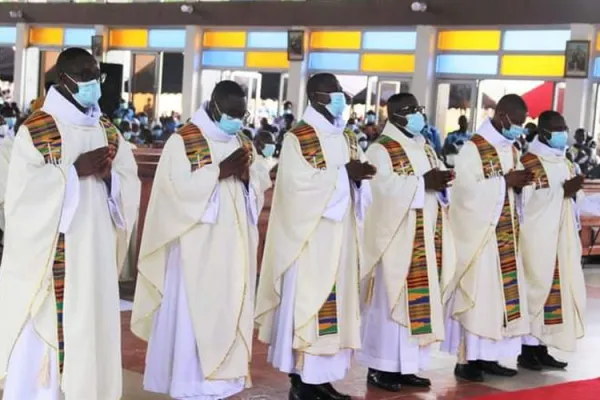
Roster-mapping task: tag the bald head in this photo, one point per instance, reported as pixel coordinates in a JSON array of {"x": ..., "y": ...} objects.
[
  {"x": 228, "y": 97},
  {"x": 72, "y": 60},
  {"x": 322, "y": 83},
  {"x": 400, "y": 101},
  {"x": 510, "y": 110}
]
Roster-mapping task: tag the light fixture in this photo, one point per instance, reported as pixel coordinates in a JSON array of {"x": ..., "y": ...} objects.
[
  {"x": 418, "y": 6},
  {"x": 15, "y": 14},
  {"x": 187, "y": 8}
]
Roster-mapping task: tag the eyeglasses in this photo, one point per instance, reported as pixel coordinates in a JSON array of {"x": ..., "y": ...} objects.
[
  {"x": 244, "y": 118},
  {"x": 86, "y": 77},
  {"x": 411, "y": 110}
]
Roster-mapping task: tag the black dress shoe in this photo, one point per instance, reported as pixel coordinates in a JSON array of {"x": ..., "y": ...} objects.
[
  {"x": 528, "y": 359},
  {"x": 547, "y": 360},
  {"x": 383, "y": 380},
  {"x": 493, "y": 368},
  {"x": 468, "y": 372},
  {"x": 414, "y": 380},
  {"x": 326, "y": 391}
]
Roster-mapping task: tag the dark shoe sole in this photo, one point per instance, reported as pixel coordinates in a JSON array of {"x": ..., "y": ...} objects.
[{"x": 382, "y": 386}]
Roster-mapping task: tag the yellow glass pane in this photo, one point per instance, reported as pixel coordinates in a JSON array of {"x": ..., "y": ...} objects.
[
  {"x": 598, "y": 42},
  {"x": 335, "y": 40},
  {"x": 46, "y": 36},
  {"x": 469, "y": 40},
  {"x": 128, "y": 38},
  {"x": 533, "y": 65},
  {"x": 268, "y": 59},
  {"x": 402, "y": 63},
  {"x": 230, "y": 40}
]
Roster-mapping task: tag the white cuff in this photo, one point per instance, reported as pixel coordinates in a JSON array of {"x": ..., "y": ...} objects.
[
  {"x": 251, "y": 204},
  {"x": 114, "y": 201},
  {"x": 339, "y": 202},
  {"x": 419, "y": 199},
  {"x": 212, "y": 208},
  {"x": 71, "y": 200},
  {"x": 363, "y": 197}
]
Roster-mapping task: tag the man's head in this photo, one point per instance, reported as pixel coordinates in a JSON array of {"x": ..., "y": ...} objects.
[
  {"x": 580, "y": 136},
  {"x": 405, "y": 113},
  {"x": 287, "y": 108},
  {"x": 135, "y": 126},
  {"x": 463, "y": 124},
  {"x": 552, "y": 129},
  {"x": 326, "y": 95},
  {"x": 227, "y": 107},
  {"x": 125, "y": 126},
  {"x": 265, "y": 143},
  {"x": 510, "y": 115},
  {"x": 79, "y": 74},
  {"x": 371, "y": 117}
]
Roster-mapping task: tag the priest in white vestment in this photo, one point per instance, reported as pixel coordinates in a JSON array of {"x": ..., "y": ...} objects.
[
  {"x": 551, "y": 247},
  {"x": 5, "y": 150},
  {"x": 71, "y": 202},
  {"x": 195, "y": 291},
  {"x": 409, "y": 251},
  {"x": 487, "y": 311},
  {"x": 308, "y": 299}
]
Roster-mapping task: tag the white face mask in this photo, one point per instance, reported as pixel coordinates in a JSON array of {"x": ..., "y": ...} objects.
[{"x": 3, "y": 130}]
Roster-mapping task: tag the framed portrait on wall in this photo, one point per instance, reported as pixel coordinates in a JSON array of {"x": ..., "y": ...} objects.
[
  {"x": 295, "y": 46},
  {"x": 577, "y": 59},
  {"x": 97, "y": 45}
]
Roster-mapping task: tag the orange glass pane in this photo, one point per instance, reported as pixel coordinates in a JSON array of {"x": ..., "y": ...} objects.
[
  {"x": 228, "y": 40},
  {"x": 46, "y": 36},
  {"x": 267, "y": 59},
  {"x": 469, "y": 40},
  {"x": 401, "y": 63},
  {"x": 128, "y": 38},
  {"x": 335, "y": 40},
  {"x": 533, "y": 65}
]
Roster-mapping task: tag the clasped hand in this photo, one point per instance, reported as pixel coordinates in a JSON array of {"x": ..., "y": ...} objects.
[
  {"x": 97, "y": 162},
  {"x": 438, "y": 180},
  {"x": 357, "y": 170},
  {"x": 237, "y": 165}
]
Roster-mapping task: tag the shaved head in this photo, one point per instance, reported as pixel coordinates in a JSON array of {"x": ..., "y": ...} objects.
[
  {"x": 228, "y": 97},
  {"x": 72, "y": 60},
  {"x": 510, "y": 110},
  {"x": 511, "y": 103}
]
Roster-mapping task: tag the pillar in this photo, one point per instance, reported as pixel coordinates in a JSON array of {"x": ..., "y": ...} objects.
[
  {"x": 423, "y": 82},
  {"x": 19, "y": 77},
  {"x": 297, "y": 78},
  {"x": 192, "y": 69},
  {"x": 102, "y": 30},
  {"x": 578, "y": 92}
]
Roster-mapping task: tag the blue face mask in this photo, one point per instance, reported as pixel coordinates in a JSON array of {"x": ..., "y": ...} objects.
[
  {"x": 370, "y": 119},
  {"x": 88, "y": 93},
  {"x": 123, "y": 106},
  {"x": 513, "y": 132},
  {"x": 558, "y": 140},
  {"x": 11, "y": 121},
  {"x": 337, "y": 104},
  {"x": 415, "y": 123},
  {"x": 268, "y": 150},
  {"x": 157, "y": 132},
  {"x": 144, "y": 120},
  {"x": 230, "y": 125}
]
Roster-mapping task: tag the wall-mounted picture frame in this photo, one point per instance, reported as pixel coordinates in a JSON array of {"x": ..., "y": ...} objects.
[
  {"x": 577, "y": 59},
  {"x": 97, "y": 45},
  {"x": 295, "y": 47}
]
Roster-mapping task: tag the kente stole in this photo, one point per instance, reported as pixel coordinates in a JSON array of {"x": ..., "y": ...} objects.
[
  {"x": 196, "y": 146},
  {"x": 312, "y": 152},
  {"x": 417, "y": 281},
  {"x": 553, "y": 306},
  {"x": 507, "y": 230},
  {"x": 47, "y": 140},
  {"x": 433, "y": 161}
]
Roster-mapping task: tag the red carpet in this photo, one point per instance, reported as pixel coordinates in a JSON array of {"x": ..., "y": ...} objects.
[{"x": 580, "y": 390}]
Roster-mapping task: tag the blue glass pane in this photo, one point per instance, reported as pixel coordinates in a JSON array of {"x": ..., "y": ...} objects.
[
  {"x": 468, "y": 64},
  {"x": 167, "y": 38},
  {"x": 389, "y": 40},
  {"x": 333, "y": 61},
  {"x": 8, "y": 34},
  {"x": 79, "y": 37},
  {"x": 536, "y": 40},
  {"x": 267, "y": 40},
  {"x": 222, "y": 58},
  {"x": 597, "y": 67}
]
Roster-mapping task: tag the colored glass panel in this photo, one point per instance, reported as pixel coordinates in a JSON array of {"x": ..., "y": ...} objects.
[
  {"x": 8, "y": 34},
  {"x": 467, "y": 64},
  {"x": 46, "y": 36},
  {"x": 267, "y": 40},
  {"x": 533, "y": 65},
  {"x": 335, "y": 40},
  {"x": 469, "y": 40},
  {"x": 536, "y": 40},
  {"x": 401, "y": 63},
  {"x": 222, "y": 58},
  {"x": 79, "y": 37},
  {"x": 333, "y": 61},
  {"x": 598, "y": 42},
  {"x": 128, "y": 38},
  {"x": 167, "y": 38},
  {"x": 264, "y": 59},
  {"x": 389, "y": 41},
  {"x": 229, "y": 40},
  {"x": 597, "y": 67}
]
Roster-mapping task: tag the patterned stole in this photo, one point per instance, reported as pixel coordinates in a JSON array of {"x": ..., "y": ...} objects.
[
  {"x": 417, "y": 281},
  {"x": 47, "y": 140},
  {"x": 312, "y": 152},
  {"x": 439, "y": 221},
  {"x": 507, "y": 230},
  {"x": 553, "y": 306},
  {"x": 196, "y": 146}
]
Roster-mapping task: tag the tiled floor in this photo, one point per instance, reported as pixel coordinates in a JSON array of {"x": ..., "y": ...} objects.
[{"x": 269, "y": 384}]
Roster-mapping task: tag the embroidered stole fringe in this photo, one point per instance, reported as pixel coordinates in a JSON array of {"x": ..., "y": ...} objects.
[
  {"x": 417, "y": 280},
  {"x": 312, "y": 152},
  {"x": 506, "y": 231}
]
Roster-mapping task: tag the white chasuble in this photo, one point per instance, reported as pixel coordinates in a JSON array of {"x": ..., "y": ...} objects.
[
  {"x": 483, "y": 306},
  {"x": 308, "y": 300},
  {"x": 5, "y": 150},
  {"x": 194, "y": 299},
  {"x": 400, "y": 236},
  {"x": 552, "y": 251},
  {"x": 66, "y": 238}
]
